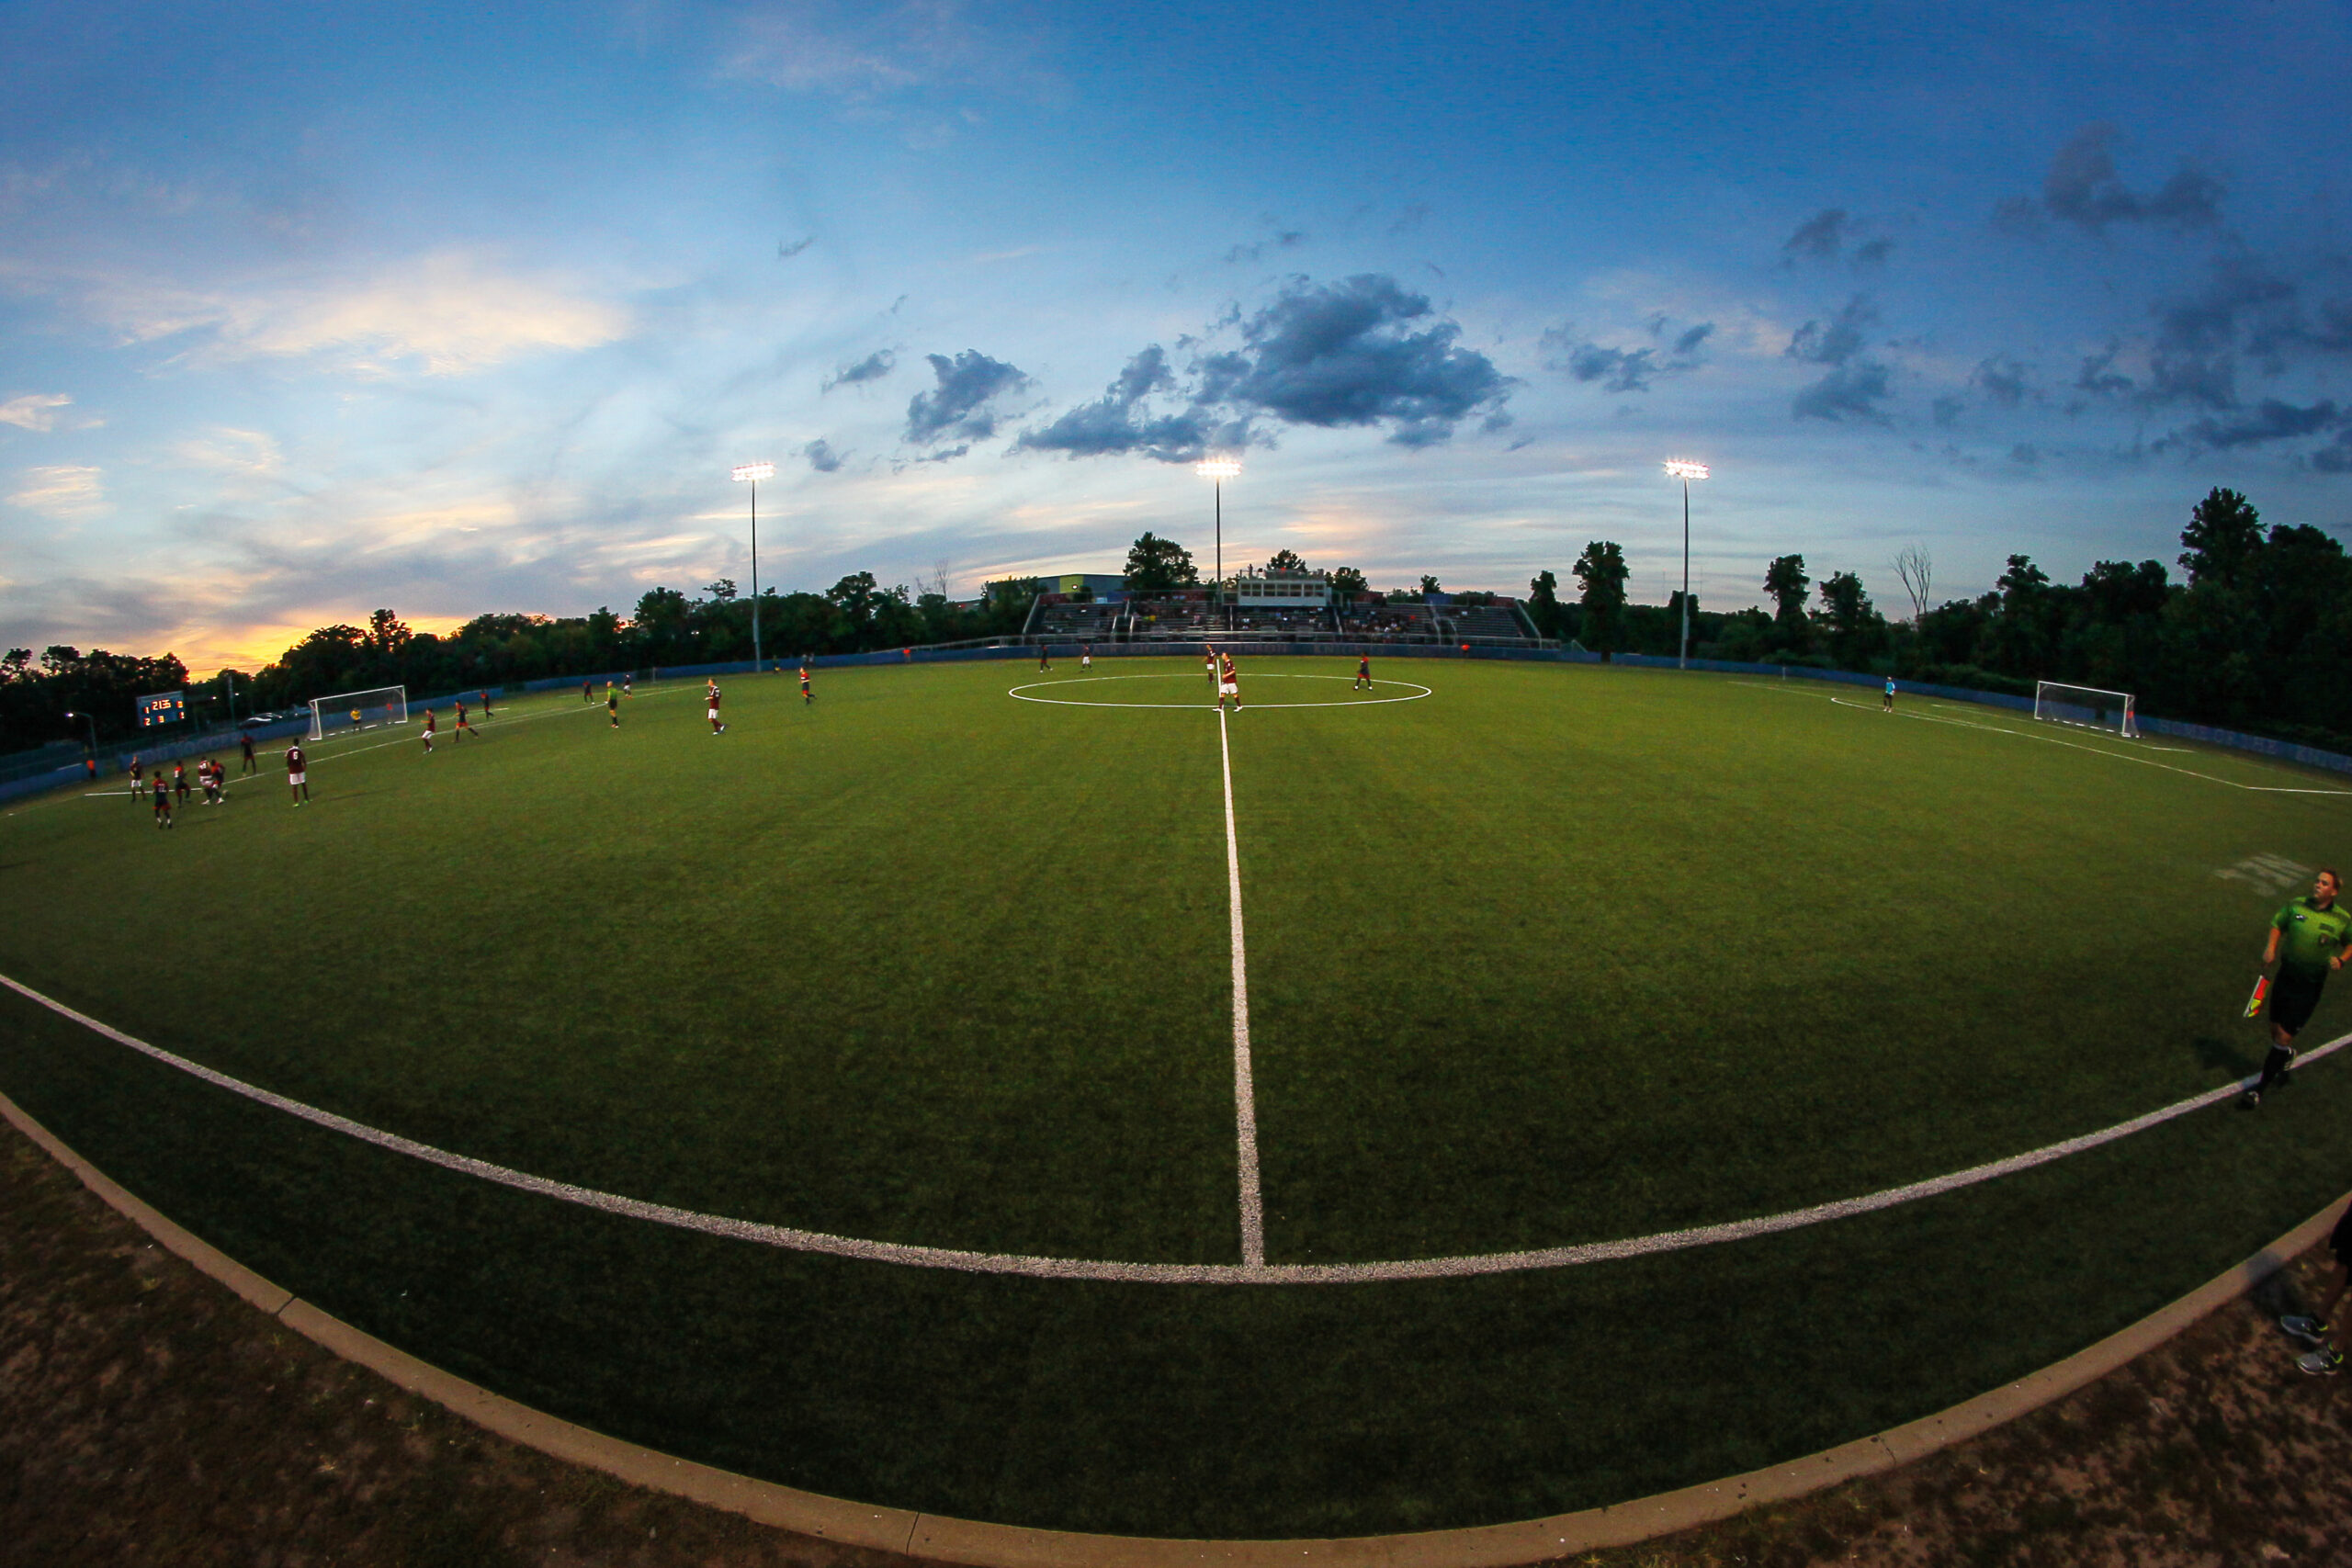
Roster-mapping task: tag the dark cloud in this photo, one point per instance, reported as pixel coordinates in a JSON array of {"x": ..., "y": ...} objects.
[
  {"x": 1283, "y": 240},
  {"x": 1818, "y": 238},
  {"x": 786, "y": 253},
  {"x": 2002, "y": 380},
  {"x": 1336, "y": 354},
  {"x": 2336, "y": 456},
  {"x": 2024, "y": 455},
  {"x": 1871, "y": 255},
  {"x": 1850, "y": 391},
  {"x": 1343, "y": 353},
  {"x": 1412, "y": 217},
  {"x": 959, "y": 405},
  {"x": 873, "y": 367},
  {"x": 1117, "y": 422},
  {"x": 1947, "y": 410},
  {"x": 2083, "y": 187},
  {"x": 1841, "y": 340},
  {"x": 2098, "y": 376},
  {"x": 821, "y": 457},
  {"x": 1622, "y": 370},
  {"x": 2270, "y": 421}
]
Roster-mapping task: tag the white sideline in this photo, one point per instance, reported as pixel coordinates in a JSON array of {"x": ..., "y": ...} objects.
[
  {"x": 1245, "y": 1091},
  {"x": 1260, "y": 1273}
]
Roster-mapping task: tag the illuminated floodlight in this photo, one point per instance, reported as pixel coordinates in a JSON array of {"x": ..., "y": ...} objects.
[
  {"x": 1218, "y": 468},
  {"x": 1676, "y": 467},
  {"x": 755, "y": 472}
]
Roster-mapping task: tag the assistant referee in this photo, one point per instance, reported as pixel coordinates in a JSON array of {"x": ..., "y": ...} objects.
[{"x": 2307, "y": 941}]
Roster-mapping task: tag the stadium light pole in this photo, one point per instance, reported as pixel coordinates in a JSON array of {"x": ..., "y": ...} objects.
[
  {"x": 751, "y": 474},
  {"x": 93, "y": 723},
  {"x": 1685, "y": 471},
  {"x": 1218, "y": 470}
]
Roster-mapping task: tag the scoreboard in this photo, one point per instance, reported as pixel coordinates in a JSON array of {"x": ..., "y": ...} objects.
[{"x": 162, "y": 707}]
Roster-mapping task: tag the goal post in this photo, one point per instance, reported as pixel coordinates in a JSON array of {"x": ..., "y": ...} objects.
[
  {"x": 357, "y": 710},
  {"x": 2088, "y": 707}
]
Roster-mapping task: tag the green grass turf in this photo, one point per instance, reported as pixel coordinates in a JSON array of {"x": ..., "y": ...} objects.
[{"x": 1555, "y": 955}]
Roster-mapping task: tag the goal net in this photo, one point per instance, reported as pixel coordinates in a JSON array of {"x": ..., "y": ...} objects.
[
  {"x": 358, "y": 710},
  {"x": 2088, "y": 707}
]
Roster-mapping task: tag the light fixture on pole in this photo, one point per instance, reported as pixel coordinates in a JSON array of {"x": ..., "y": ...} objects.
[
  {"x": 1218, "y": 471},
  {"x": 1677, "y": 468},
  {"x": 751, "y": 474},
  {"x": 93, "y": 723}
]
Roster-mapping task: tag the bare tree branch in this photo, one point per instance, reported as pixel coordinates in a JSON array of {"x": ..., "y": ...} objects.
[{"x": 1913, "y": 564}]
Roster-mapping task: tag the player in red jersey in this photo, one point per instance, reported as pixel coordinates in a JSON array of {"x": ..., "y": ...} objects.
[
  {"x": 460, "y": 729},
  {"x": 162, "y": 800},
  {"x": 807, "y": 696},
  {"x": 245, "y": 741},
  {"x": 1044, "y": 659},
  {"x": 298, "y": 776},
  {"x": 1228, "y": 684},
  {"x": 1363, "y": 673},
  {"x": 137, "y": 769},
  {"x": 179, "y": 781},
  {"x": 427, "y": 736},
  {"x": 715, "y": 727},
  {"x": 485, "y": 703}
]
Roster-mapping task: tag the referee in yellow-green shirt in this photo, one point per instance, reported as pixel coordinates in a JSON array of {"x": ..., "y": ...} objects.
[{"x": 2308, "y": 939}]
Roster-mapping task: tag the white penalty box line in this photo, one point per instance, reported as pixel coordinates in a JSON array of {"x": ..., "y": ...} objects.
[{"x": 1258, "y": 1273}]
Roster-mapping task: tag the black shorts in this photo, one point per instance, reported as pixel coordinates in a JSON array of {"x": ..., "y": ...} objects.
[{"x": 2292, "y": 998}]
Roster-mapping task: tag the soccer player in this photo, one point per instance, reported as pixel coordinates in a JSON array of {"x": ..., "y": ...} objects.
[
  {"x": 427, "y": 736},
  {"x": 460, "y": 729},
  {"x": 1363, "y": 673},
  {"x": 355, "y": 721},
  {"x": 2318, "y": 1329},
  {"x": 1086, "y": 656},
  {"x": 245, "y": 741},
  {"x": 208, "y": 772},
  {"x": 2308, "y": 939},
  {"x": 298, "y": 776},
  {"x": 179, "y": 781},
  {"x": 612, "y": 705},
  {"x": 1044, "y": 659},
  {"x": 162, "y": 800},
  {"x": 485, "y": 703},
  {"x": 137, "y": 768},
  {"x": 1208, "y": 661},
  {"x": 587, "y": 692},
  {"x": 1887, "y": 705},
  {"x": 1228, "y": 684},
  {"x": 629, "y": 686},
  {"x": 715, "y": 727},
  {"x": 807, "y": 696}
]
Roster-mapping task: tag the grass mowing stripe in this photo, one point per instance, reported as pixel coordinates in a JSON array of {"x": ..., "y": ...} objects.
[
  {"x": 1245, "y": 1093},
  {"x": 1257, "y": 1271}
]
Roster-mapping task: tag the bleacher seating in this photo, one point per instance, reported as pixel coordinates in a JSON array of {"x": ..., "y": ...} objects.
[
  {"x": 1387, "y": 620},
  {"x": 1480, "y": 620},
  {"x": 1160, "y": 619},
  {"x": 1084, "y": 622}
]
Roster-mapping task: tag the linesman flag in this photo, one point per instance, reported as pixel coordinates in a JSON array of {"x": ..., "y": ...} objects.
[{"x": 2261, "y": 993}]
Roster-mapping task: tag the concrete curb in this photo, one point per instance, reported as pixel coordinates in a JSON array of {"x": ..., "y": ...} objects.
[{"x": 1010, "y": 1546}]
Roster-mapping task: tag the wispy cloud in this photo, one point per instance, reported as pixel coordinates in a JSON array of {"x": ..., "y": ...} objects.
[
  {"x": 35, "y": 411},
  {"x": 64, "y": 492}
]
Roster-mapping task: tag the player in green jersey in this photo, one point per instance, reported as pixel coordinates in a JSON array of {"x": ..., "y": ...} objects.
[{"x": 2308, "y": 939}]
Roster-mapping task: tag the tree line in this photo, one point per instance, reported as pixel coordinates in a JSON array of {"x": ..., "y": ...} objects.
[{"x": 2253, "y": 634}]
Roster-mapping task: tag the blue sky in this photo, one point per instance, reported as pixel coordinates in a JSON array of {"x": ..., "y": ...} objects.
[{"x": 309, "y": 309}]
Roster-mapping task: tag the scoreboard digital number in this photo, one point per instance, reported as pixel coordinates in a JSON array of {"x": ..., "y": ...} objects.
[{"x": 162, "y": 707}]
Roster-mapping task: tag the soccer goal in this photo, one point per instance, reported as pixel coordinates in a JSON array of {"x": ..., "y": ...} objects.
[
  {"x": 358, "y": 710},
  {"x": 2086, "y": 706}
]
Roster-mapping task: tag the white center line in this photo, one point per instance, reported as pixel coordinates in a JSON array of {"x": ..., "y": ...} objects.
[{"x": 1245, "y": 1094}]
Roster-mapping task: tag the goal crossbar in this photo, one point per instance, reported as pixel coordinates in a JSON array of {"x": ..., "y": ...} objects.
[
  {"x": 358, "y": 710},
  {"x": 2088, "y": 707}
]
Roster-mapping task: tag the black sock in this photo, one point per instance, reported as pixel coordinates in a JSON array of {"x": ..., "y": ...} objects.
[{"x": 2275, "y": 1064}]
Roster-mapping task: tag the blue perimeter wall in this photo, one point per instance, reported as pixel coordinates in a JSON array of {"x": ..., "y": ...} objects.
[{"x": 117, "y": 760}]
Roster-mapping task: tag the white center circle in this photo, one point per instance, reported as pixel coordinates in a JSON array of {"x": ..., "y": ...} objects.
[{"x": 1413, "y": 693}]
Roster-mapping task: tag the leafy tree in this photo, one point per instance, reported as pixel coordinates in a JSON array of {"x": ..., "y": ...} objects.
[
  {"x": 2224, "y": 535},
  {"x": 1347, "y": 583},
  {"x": 1430, "y": 588},
  {"x": 1156, "y": 565},
  {"x": 1786, "y": 581},
  {"x": 721, "y": 592},
  {"x": 1857, "y": 631},
  {"x": 1543, "y": 604},
  {"x": 1602, "y": 573},
  {"x": 1286, "y": 560},
  {"x": 387, "y": 634}
]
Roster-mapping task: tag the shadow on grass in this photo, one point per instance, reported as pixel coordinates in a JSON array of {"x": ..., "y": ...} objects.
[{"x": 2222, "y": 1057}]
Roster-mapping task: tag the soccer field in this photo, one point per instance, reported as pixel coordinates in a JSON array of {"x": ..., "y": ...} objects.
[{"x": 1536, "y": 957}]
